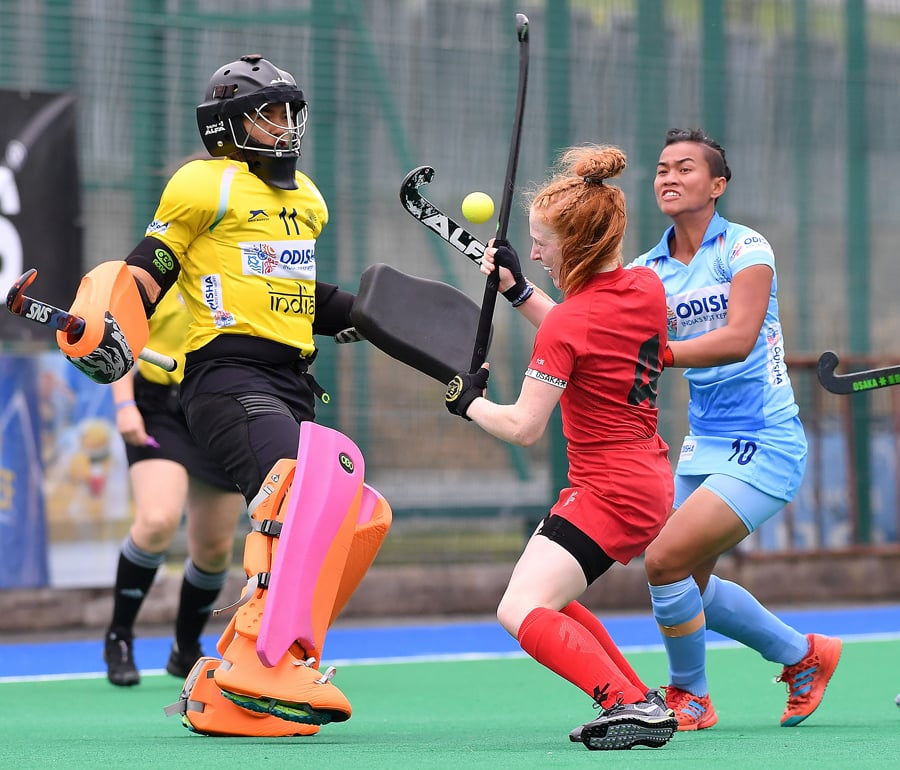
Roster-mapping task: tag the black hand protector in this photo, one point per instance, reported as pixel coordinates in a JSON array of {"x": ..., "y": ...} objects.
[
  {"x": 463, "y": 389},
  {"x": 506, "y": 257}
]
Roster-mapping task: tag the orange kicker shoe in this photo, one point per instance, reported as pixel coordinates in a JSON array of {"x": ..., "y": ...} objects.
[
  {"x": 204, "y": 710},
  {"x": 292, "y": 689},
  {"x": 693, "y": 712},
  {"x": 807, "y": 680}
]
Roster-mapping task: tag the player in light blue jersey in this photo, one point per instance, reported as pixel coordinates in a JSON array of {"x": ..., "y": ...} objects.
[{"x": 744, "y": 457}]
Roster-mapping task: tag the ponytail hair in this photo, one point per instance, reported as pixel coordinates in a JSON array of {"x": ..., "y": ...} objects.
[{"x": 586, "y": 214}]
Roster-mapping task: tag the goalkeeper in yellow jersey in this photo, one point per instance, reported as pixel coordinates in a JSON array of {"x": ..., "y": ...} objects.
[{"x": 238, "y": 233}]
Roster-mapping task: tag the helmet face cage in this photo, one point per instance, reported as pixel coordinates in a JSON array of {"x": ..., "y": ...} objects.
[{"x": 278, "y": 139}]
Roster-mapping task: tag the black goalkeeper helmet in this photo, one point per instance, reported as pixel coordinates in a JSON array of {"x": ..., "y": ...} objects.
[{"x": 242, "y": 90}]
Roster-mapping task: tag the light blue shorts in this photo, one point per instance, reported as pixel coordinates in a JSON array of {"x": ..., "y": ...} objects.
[
  {"x": 770, "y": 459},
  {"x": 752, "y": 506}
]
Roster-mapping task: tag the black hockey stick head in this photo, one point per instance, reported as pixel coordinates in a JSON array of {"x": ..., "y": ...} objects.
[
  {"x": 410, "y": 196},
  {"x": 522, "y": 27},
  {"x": 15, "y": 298},
  {"x": 40, "y": 312},
  {"x": 825, "y": 367},
  {"x": 430, "y": 216},
  {"x": 854, "y": 382}
]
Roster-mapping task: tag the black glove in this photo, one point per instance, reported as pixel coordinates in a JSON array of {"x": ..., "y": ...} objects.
[
  {"x": 506, "y": 257},
  {"x": 464, "y": 389}
]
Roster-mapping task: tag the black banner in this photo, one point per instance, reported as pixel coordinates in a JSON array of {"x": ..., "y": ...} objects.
[{"x": 39, "y": 204}]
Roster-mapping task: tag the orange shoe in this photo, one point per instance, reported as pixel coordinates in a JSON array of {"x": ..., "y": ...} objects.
[
  {"x": 693, "y": 712},
  {"x": 293, "y": 689},
  {"x": 808, "y": 679},
  {"x": 203, "y": 709}
]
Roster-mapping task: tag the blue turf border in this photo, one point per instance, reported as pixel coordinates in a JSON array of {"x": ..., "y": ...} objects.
[{"x": 425, "y": 640}]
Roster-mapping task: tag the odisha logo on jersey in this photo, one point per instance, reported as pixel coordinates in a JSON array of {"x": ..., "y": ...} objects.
[
  {"x": 703, "y": 306},
  {"x": 260, "y": 258},
  {"x": 212, "y": 291},
  {"x": 776, "y": 355},
  {"x": 291, "y": 257},
  {"x": 751, "y": 242},
  {"x": 671, "y": 321}
]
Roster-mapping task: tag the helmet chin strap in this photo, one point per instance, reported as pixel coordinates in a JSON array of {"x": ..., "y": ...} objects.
[{"x": 275, "y": 172}]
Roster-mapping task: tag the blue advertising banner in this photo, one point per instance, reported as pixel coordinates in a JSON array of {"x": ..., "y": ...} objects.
[
  {"x": 23, "y": 541},
  {"x": 87, "y": 499},
  {"x": 65, "y": 501}
]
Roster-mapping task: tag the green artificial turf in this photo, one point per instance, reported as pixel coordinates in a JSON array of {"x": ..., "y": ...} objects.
[{"x": 503, "y": 713}]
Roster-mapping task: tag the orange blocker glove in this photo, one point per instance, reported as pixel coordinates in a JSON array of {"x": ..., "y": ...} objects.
[{"x": 115, "y": 324}]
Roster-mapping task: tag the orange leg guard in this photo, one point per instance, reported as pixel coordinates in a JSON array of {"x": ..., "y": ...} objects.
[
  {"x": 371, "y": 530},
  {"x": 372, "y": 526}
]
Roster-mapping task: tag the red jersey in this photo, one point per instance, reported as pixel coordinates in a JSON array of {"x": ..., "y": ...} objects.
[{"x": 603, "y": 345}]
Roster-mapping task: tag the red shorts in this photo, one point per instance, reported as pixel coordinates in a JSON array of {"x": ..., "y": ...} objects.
[{"x": 626, "y": 502}]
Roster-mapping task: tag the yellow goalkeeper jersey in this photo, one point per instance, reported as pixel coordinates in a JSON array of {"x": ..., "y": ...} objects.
[{"x": 247, "y": 252}]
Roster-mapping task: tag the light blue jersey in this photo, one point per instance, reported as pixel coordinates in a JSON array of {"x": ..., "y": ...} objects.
[{"x": 743, "y": 416}]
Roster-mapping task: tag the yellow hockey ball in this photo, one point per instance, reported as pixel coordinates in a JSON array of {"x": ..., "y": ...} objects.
[{"x": 478, "y": 207}]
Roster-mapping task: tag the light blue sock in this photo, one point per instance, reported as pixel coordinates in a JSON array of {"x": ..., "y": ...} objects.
[
  {"x": 733, "y": 611},
  {"x": 674, "y": 604}
]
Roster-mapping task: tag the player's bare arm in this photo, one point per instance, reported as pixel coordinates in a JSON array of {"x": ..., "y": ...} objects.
[{"x": 522, "y": 423}]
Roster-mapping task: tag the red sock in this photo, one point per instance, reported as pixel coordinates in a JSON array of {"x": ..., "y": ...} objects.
[
  {"x": 567, "y": 648},
  {"x": 591, "y": 622}
]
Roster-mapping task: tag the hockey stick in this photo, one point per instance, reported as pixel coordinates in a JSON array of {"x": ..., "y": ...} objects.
[
  {"x": 430, "y": 216},
  {"x": 435, "y": 220},
  {"x": 854, "y": 382},
  {"x": 48, "y": 315},
  {"x": 482, "y": 335}
]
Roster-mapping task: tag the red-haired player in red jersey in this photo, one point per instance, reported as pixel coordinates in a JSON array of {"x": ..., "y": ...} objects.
[{"x": 599, "y": 354}]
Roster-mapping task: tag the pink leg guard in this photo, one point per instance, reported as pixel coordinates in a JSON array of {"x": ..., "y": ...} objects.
[
  {"x": 306, "y": 522},
  {"x": 322, "y": 513}
]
